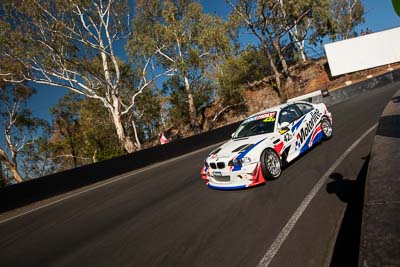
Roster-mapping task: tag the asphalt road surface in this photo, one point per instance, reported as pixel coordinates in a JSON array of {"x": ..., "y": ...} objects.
[{"x": 164, "y": 215}]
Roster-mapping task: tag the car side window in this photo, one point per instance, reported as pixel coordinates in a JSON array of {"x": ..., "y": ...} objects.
[
  {"x": 304, "y": 108},
  {"x": 289, "y": 114}
]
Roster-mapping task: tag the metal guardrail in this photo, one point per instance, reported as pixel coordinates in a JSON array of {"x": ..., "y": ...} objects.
[{"x": 306, "y": 97}]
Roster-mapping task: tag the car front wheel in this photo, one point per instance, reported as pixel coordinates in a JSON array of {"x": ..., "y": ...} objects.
[{"x": 271, "y": 164}]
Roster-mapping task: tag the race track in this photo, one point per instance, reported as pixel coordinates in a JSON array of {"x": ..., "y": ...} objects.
[{"x": 164, "y": 215}]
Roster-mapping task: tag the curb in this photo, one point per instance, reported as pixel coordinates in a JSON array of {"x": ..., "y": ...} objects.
[{"x": 380, "y": 231}]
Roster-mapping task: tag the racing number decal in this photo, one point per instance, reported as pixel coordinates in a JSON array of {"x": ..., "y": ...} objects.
[{"x": 287, "y": 137}]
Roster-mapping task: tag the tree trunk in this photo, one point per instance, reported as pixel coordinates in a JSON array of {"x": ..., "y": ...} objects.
[
  {"x": 127, "y": 143},
  {"x": 277, "y": 75},
  {"x": 138, "y": 144},
  {"x": 11, "y": 166},
  {"x": 17, "y": 177},
  {"x": 192, "y": 108},
  {"x": 124, "y": 139},
  {"x": 300, "y": 46},
  {"x": 303, "y": 55},
  {"x": 285, "y": 67}
]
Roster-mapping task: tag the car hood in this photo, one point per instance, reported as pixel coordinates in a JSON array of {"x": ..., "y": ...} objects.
[{"x": 237, "y": 146}]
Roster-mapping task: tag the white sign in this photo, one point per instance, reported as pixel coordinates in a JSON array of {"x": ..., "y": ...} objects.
[{"x": 364, "y": 52}]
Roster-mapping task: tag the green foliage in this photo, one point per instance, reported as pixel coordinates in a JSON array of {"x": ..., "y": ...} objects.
[
  {"x": 396, "y": 6},
  {"x": 174, "y": 91},
  {"x": 345, "y": 16},
  {"x": 238, "y": 72},
  {"x": 18, "y": 126},
  {"x": 185, "y": 39},
  {"x": 100, "y": 141},
  {"x": 147, "y": 114},
  {"x": 178, "y": 112},
  {"x": 84, "y": 132},
  {"x": 37, "y": 157}
]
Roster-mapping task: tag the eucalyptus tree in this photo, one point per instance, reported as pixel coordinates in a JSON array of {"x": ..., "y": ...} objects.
[
  {"x": 305, "y": 29},
  {"x": 273, "y": 23},
  {"x": 67, "y": 137},
  {"x": 185, "y": 39},
  {"x": 74, "y": 44},
  {"x": 239, "y": 72},
  {"x": 347, "y": 14},
  {"x": 83, "y": 132},
  {"x": 37, "y": 156},
  {"x": 17, "y": 125}
]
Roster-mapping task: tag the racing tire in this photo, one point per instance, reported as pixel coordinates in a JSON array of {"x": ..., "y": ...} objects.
[
  {"x": 271, "y": 164},
  {"x": 326, "y": 128}
]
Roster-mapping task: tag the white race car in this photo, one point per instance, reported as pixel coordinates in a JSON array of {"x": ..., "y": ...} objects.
[{"x": 264, "y": 142}]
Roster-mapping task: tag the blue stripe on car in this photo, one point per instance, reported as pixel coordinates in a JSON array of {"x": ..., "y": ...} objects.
[
  {"x": 306, "y": 146},
  {"x": 227, "y": 187},
  {"x": 294, "y": 128},
  {"x": 241, "y": 155}
]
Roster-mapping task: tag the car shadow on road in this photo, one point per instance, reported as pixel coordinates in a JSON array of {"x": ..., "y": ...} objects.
[{"x": 351, "y": 192}]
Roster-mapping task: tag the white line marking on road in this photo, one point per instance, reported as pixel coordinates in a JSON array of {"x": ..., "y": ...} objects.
[
  {"x": 273, "y": 249},
  {"x": 121, "y": 177}
]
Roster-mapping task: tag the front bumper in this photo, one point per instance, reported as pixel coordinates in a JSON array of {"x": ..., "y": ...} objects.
[{"x": 248, "y": 176}]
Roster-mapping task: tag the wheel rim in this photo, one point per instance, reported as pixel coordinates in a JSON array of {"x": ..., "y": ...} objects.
[
  {"x": 273, "y": 164},
  {"x": 326, "y": 128}
]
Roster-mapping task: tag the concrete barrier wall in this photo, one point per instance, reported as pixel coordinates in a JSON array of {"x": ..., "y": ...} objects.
[
  {"x": 18, "y": 195},
  {"x": 380, "y": 233}
]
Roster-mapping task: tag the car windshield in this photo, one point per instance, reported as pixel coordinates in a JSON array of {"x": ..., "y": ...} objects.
[{"x": 259, "y": 124}]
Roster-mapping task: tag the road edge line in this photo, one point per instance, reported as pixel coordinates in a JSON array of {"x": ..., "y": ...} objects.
[
  {"x": 104, "y": 183},
  {"x": 281, "y": 237}
]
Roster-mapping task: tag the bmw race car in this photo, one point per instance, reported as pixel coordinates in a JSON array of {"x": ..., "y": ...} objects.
[{"x": 264, "y": 142}]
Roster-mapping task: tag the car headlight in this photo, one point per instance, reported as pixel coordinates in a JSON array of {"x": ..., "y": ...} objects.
[{"x": 242, "y": 161}]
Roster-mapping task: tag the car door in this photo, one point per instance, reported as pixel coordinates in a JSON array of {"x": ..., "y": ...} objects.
[
  {"x": 306, "y": 126},
  {"x": 289, "y": 116}
]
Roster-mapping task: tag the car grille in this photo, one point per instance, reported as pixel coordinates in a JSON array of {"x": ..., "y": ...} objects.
[
  {"x": 225, "y": 178},
  {"x": 219, "y": 165}
]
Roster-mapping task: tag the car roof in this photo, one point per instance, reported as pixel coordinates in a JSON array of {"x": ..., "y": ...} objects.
[{"x": 277, "y": 108}]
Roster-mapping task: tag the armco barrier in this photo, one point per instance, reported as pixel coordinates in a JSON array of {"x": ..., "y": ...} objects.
[
  {"x": 357, "y": 88},
  {"x": 380, "y": 232},
  {"x": 18, "y": 195}
]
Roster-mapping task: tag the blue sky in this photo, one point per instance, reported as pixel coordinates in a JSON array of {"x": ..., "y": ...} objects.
[{"x": 379, "y": 15}]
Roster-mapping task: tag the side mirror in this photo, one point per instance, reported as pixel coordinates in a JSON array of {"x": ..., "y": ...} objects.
[{"x": 284, "y": 127}]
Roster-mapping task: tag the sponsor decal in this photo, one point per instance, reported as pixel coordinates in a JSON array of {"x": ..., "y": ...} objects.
[
  {"x": 283, "y": 131},
  {"x": 297, "y": 124},
  {"x": 269, "y": 119},
  {"x": 309, "y": 125},
  {"x": 269, "y": 115},
  {"x": 315, "y": 134}
]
